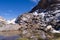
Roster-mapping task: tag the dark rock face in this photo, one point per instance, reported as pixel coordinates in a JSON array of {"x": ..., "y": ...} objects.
[
  {"x": 41, "y": 4},
  {"x": 44, "y": 4},
  {"x": 54, "y": 10}
]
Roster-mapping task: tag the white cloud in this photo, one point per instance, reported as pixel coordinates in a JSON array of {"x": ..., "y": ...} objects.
[
  {"x": 35, "y": 1},
  {"x": 10, "y": 10},
  {"x": 6, "y": 14}
]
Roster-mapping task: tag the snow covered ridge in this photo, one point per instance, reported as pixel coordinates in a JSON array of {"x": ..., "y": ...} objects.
[
  {"x": 7, "y": 21},
  {"x": 11, "y": 21}
]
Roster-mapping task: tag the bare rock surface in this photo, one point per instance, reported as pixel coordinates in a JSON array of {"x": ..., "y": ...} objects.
[{"x": 37, "y": 25}]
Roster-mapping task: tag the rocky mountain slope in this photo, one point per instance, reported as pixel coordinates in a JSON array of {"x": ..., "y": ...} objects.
[{"x": 38, "y": 25}]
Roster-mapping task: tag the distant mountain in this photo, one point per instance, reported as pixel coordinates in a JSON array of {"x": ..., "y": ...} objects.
[
  {"x": 11, "y": 21},
  {"x": 2, "y": 19},
  {"x": 6, "y": 25},
  {"x": 7, "y": 21}
]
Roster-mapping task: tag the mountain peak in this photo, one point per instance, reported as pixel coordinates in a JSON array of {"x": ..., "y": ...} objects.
[{"x": 11, "y": 21}]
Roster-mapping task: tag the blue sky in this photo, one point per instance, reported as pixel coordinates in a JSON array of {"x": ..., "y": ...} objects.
[{"x": 10, "y": 9}]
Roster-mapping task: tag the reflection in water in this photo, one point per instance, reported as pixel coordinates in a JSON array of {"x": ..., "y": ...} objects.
[
  {"x": 9, "y": 35},
  {"x": 1, "y": 37},
  {"x": 9, "y": 38}
]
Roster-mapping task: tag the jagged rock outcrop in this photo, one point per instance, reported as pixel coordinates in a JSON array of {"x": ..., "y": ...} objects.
[
  {"x": 11, "y": 21},
  {"x": 40, "y": 24}
]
